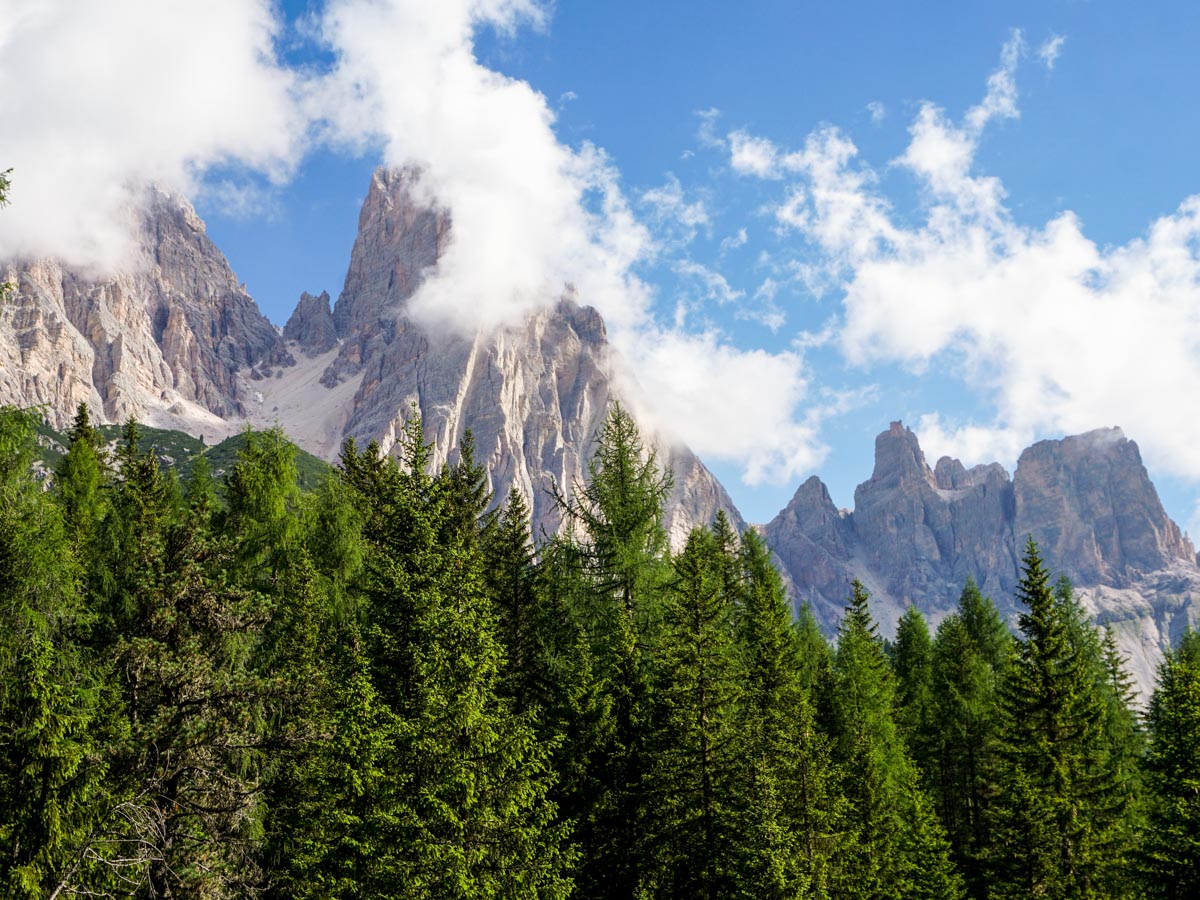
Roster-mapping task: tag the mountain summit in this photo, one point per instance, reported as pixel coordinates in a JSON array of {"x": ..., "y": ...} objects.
[
  {"x": 916, "y": 534},
  {"x": 169, "y": 341}
]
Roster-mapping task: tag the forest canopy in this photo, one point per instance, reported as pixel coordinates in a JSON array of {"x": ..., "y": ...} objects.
[{"x": 382, "y": 686}]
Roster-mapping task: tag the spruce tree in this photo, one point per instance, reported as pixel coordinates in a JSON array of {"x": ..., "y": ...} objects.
[
  {"x": 970, "y": 654},
  {"x": 796, "y": 815},
  {"x": 53, "y": 722},
  {"x": 695, "y": 772},
  {"x": 617, "y": 548},
  {"x": 80, "y": 481},
  {"x": 1170, "y": 852},
  {"x": 913, "y": 665},
  {"x": 900, "y": 849},
  {"x": 182, "y": 638},
  {"x": 1055, "y": 826},
  {"x": 465, "y": 809}
]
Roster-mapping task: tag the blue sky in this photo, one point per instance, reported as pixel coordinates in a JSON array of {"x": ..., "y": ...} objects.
[{"x": 992, "y": 241}]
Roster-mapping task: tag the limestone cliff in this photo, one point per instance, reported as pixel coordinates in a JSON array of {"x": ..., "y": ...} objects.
[
  {"x": 166, "y": 341},
  {"x": 915, "y": 535},
  {"x": 532, "y": 395}
]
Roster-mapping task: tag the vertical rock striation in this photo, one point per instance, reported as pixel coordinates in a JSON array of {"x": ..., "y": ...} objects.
[
  {"x": 915, "y": 535},
  {"x": 533, "y": 395},
  {"x": 166, "y": 341}
]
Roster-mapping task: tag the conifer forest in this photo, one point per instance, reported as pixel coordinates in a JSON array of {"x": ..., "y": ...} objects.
[{"x": 387, "y": 687}]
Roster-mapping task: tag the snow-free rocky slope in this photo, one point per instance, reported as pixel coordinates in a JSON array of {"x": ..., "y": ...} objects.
[
  {"x": 168, "y": 341},
  {"x": 916, "y": 534},
  {"x": 178, "y": 343}
]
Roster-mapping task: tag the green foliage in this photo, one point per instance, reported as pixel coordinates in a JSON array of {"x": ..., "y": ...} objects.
[
  {"x": 899, "y": 848},
  {"x": 52, "y": 790},
  {"x": 1170, "y": 858},
  {"x": 383, "y": 687},
  {"x": 797, "y": 815},
  {"x": 970, "y": 654},
  {"x": 1057, "y": 825},
  {"x": 465, "y": 809},
  {"x": 695, "y": 773}
]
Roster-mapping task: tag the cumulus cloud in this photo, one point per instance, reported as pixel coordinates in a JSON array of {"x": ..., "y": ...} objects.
[
  {"x": 529, "y": 213},
  {"x": 750, "y": 155},
  {"x": 878, "y": 112},
  {"x": 1060, "y": 334},
  {"x": 754, "y": 408},
  {"x": 101, "y": 98}
]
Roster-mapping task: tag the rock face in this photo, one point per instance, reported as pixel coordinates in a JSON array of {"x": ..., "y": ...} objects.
[
  {"x": 916, "y": 534},
  {"x": 178, "y": 343},
  {"x": 311, "y": 325},
  {"x": 167, "y": 342},
  {"x": 533, "y": 396}
]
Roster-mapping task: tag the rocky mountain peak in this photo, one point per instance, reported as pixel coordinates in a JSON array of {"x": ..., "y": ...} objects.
[
  {"x": 533, "y": 394},
  {"x": 915, "y": 536},
  {"x": 165, "y": 340},
  {"x": 898, "y": 459},
  {"x": 311, "y": 325},
  {"x": 400, "y": 235},
  {"x": 1090, "y": 502}
]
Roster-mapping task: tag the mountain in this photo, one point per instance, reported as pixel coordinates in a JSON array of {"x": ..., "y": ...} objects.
[
  {"x": 532, "y": 395},
  {"x": 168, "y": 341},
  {"x": 176, "y": 342},
  {"x": 916, "y": 534}
]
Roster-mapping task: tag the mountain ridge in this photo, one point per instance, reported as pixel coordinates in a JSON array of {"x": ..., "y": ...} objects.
[{"x": 916, "y": 534}]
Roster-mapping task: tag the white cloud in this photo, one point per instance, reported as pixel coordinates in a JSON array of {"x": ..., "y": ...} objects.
[
  {"x": 970, "y": 443},
  {"x": 100, "y": 98},
  {"x": 734, "y": 241},
  {"x": 706, "y": 133},
  {"x": 1049, "y": 51},
  {"x": 674, "y": 212},
  {"x": 528, "y": 213},
  {"x": 878, "y": 112},
  {"x": 751, "y": 155},
  {"x": 753, "y": 408},
  {"x": 1059, "y": 334},
  {"x": 713, "y": 285}
]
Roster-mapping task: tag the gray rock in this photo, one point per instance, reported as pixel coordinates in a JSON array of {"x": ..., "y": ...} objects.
[
  {"x": 311, "y": 325},
  {"x": 533, "y": 395},
  {"x": 916, "y": 535},
  {"x": 165, "y": 341}
]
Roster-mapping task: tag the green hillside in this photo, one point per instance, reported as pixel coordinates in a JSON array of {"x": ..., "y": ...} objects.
[{"x": 178, "y": 450}]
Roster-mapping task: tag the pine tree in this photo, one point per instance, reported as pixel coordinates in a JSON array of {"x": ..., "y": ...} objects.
[
  {"x": 815, "y": 667},
  {"x": 181, "y": 638},
  {"x": 79, "y": 481},
  {"x": 796, "y": 814},
  {"x": 616, "y": 550},
  {"x": 913, "y": 665},
  {"x": 900, "y": 849},
  {"x": 1170, "y": 852},
  {"x": 1055, "y": 826},
  {"x": 53, "y": 796}
]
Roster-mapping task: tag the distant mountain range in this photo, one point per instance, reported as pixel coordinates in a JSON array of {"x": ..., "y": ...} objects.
[
  {"x": 179, "y": 344},
  {"x": 916, "y": 534}
]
